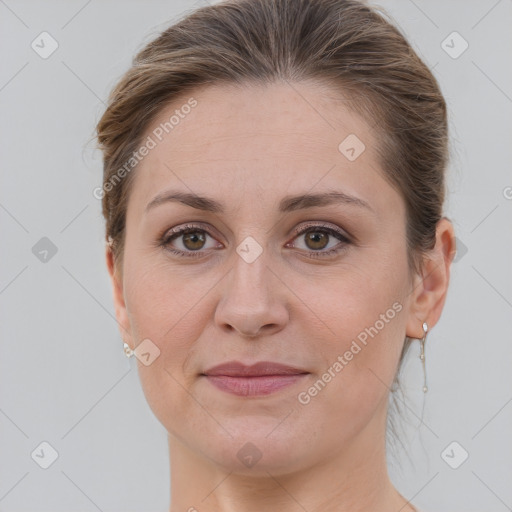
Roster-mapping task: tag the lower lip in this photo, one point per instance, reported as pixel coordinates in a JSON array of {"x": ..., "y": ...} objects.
[{"x": 254, "y": 386}]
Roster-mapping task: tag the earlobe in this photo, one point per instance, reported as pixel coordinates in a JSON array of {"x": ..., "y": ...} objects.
[
  {"x": 431, "y": 288},
  {"x": 118, "y": 296}
]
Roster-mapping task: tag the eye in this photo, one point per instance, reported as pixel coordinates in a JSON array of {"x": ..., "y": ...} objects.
[
  {"x": 321, "y": 240},
  {"x": 189, "y": 240}
]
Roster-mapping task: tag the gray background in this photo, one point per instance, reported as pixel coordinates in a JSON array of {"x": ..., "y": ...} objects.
[{"x": 63, "y": 376}]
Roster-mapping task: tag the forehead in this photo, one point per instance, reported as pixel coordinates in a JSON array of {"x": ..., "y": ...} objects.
[{"x": 261, "y": 140}]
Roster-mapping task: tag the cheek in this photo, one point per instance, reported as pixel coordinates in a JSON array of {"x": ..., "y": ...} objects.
[
  {"x": 172, "y": 316},
  {"x": 165, "y": 306},
  {"x": 350, "y": 301},
  {"x": 360, "y": 320},
  {"x": 171, "y": 310},
  {"x": 359, "y": 360}
]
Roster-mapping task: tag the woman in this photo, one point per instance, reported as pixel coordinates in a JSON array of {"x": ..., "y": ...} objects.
[{"x": 273, "y": 195}]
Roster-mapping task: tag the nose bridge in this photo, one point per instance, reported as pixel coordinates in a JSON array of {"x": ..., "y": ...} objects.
[
  {"x": 251, "y": 300},
  {"x": 250, "y": 267},
  {"x": 251, "y": 260}
]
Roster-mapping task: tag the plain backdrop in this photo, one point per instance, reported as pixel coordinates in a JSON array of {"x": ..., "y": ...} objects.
[{"x": 64, "y": 379}]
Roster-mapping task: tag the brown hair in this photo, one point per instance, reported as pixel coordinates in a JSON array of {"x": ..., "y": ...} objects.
[{"x": 342, "y": 44}]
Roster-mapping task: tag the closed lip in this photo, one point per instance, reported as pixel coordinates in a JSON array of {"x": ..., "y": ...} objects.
[{"x": 259, "y": 369}]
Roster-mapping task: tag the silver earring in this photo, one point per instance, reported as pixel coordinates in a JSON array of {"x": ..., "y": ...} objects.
[
  {"x": 422, "y": 355},
  {"x": 127, "y": 350}
]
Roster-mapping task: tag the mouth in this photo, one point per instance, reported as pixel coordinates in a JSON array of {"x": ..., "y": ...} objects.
[{"x": 260, "y": 379}]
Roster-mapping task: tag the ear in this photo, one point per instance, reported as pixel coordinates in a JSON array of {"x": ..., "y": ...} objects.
[
  {"x": 123, "y": 320},
  {"x": 430, "y": 288}
]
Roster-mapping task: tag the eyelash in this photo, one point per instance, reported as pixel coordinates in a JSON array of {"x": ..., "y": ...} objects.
[{"x": 192, "y": 228}]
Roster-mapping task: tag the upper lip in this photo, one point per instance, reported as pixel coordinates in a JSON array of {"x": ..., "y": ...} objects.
[{"x": 237, "y": 369}]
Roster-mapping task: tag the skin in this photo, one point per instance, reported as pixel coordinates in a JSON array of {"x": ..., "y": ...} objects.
[{"x": 248, "y": 147}]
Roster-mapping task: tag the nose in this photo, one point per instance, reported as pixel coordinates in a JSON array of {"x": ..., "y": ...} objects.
[{"x": 253, "y": 301}]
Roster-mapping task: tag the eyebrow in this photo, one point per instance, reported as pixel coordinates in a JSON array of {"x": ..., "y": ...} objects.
[{"x": 287, "y": 204}]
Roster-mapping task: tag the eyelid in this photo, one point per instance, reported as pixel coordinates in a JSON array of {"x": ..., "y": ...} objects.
[
  {"x": 178, "y": 230},
  {"x": 319, "y": 224}
]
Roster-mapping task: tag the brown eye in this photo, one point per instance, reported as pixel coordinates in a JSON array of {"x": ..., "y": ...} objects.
[
  {"x": 320, "y": 241},
  {"x": 316, "y": 240},
  {"x": 194, "y": 240},
  {"x": 189, "y": 240}
]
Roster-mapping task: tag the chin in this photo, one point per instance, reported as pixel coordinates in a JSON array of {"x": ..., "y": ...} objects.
[{"x": 257, "y": 446}]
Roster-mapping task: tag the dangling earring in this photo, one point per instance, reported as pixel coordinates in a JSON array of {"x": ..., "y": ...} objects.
[
  {"x": 127, "y": 350},
  {"x": 422, "y": 356}
]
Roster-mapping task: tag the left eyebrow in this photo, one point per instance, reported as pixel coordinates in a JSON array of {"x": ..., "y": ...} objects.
[
  {"x": 292, "y": 203},
  {"x": 287, "y": 204}
]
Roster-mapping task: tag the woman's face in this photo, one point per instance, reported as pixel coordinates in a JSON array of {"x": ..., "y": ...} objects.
[{"x": 315, "y": 284}]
